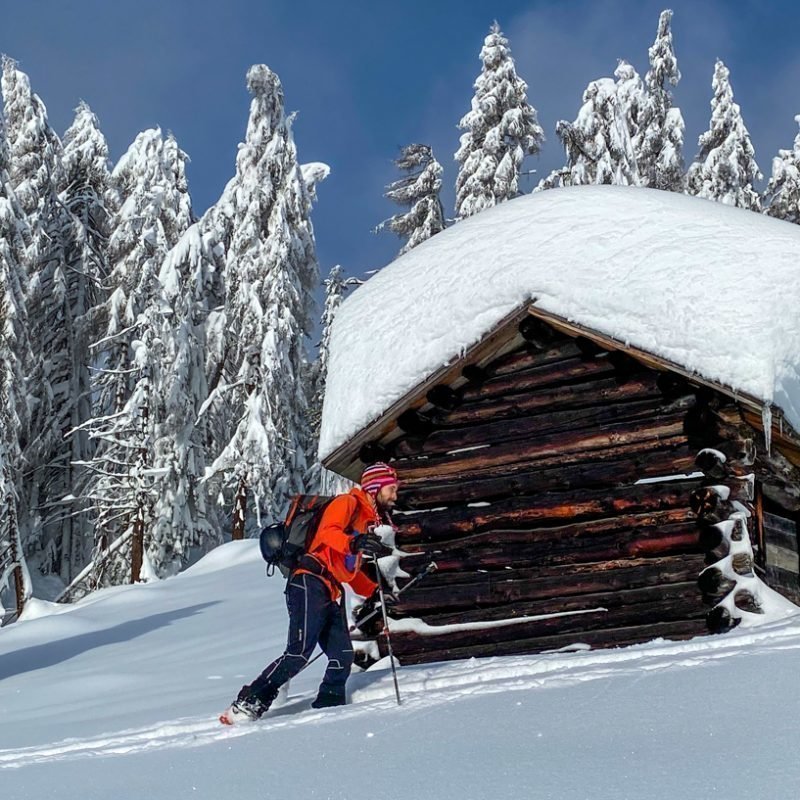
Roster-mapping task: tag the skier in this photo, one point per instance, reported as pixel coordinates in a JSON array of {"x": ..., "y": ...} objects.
[{"x": 314, "y": 595}]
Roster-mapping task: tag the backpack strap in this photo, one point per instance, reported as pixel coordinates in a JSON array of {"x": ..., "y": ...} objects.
[{"x": 313, "y": 565}]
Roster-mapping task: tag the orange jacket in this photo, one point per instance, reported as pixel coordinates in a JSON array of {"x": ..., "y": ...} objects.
[{"x": 346, "y": 515}]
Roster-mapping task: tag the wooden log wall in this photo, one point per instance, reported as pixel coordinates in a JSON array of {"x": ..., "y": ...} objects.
[
  {"x": 522, "y": 486},
  {"x": 745, "y": 480},
  {"x": 725, "y": 510}
]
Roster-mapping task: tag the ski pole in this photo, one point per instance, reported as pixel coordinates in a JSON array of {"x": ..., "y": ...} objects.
[
  {"x": 416, "y": 579},
  {"x": 386, "y": 631}
]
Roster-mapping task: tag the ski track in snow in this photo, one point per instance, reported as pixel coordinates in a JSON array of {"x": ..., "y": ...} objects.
[{"x": 428, "y": 686}]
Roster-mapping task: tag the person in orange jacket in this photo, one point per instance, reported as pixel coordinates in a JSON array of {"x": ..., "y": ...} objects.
[{"x": 314, "y": 595}]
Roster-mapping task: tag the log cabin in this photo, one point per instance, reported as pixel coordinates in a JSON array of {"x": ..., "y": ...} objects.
[{"x": 591, "y": 397}]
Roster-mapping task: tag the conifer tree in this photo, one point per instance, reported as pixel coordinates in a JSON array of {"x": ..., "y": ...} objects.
[
  {"x": 270, "y": 275},
  {"x": 14, "y": 358},
  {"x": 55, "y": 296},
  {"x": 72, "y": 266},
  {"x": 782, "y": 195},
  {"x": 659, "y": 142},
  {"x": 151, "y": 211},
  {"x": 599, "y": 143},
  {"x": 500, "y": 130},
  {"x": 725, "y": 168},
  {"x": 336, "y": 286},
  {"x": 419, "y": 190},
  {"x": 34, "y": 155},
  {"x": 180, "y": 512}
]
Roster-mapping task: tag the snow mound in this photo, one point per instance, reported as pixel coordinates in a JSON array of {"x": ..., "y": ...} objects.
[{"x": 706, "y": 286}]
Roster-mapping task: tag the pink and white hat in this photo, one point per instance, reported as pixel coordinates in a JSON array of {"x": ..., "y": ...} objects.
[{"x": 376, "y": 476}]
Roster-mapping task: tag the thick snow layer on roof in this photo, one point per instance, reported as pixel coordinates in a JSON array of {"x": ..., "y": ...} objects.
[{"x": 712, "y": 288}]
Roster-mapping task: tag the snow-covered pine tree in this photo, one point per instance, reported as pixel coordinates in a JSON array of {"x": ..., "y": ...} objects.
[
  {"x": 271, "y": 274},
  {"x": 500, "y": 130},
  {"x": 725, "y": 168},
  {"x": 659, "y": 141},
  {"x": 14, "y": 358},
  {"x": 151, "y": 211},
  {"x": 180, "y": 512},
  {"x": 34, "y": 153},
  {"x": 419, "y": 190},
  {"x": 55, "y": 297},
  {"x": 599, "y": 143},
  {"x": 782, "y": 195},
  {"x": 71, "y": 267},
  {"x": 336, "y": 285}
]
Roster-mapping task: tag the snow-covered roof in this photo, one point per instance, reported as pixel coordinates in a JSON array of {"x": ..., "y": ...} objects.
[{"x": 713, "y": 289}]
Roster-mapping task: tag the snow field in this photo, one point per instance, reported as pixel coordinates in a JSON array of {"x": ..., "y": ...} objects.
[{"x": 118, "y": 697}]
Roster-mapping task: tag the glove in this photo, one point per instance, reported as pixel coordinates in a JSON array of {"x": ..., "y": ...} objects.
[{"x": 370, "y": 545}]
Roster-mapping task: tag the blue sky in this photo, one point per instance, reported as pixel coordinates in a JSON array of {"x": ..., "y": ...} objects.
[{"x": 368, "y": 77}]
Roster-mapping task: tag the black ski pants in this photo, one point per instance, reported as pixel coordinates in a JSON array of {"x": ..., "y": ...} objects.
[{"x": 313, "y": 619}]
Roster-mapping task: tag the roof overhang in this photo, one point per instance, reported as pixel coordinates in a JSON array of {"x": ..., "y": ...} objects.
[{"x": 505, "y": 337}]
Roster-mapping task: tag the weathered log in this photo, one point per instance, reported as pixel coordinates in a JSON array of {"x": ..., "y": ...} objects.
[
  {"x": 601, "y": 638},
  {"x": 490, "y": 590},
  {"x": 603, "y": 531},
  {"x": 444, "y": 397},
  {"x": 538, "y": 333},
  {"x": 576, "y": 546},
  {"x": 559, "y": 605},
  {"x": 609, "y": 548},
  {"x": 372, "y": 452},
  {"x": 742, "y": 564},
  {"x": 590, "y": 393},
  {"x": 474, "y": 374},
  {"x": 671, "y": 569},
  {"x": 588, "y": 347},
  {"x": 625, "y": 366},
  {"x": 589, "y": 475},
  {"x": 528, "y": 357},
  {"x": 646, "y": 542},
  {"x": 714, "y": 584},
  {"x": 416, "y": 539},
  {"x": 534, "y": 425},
  {"x": 719, "y": 620},
  {"x": 414, "y": 422},
  {"x": 543, "y": 448},
  {"x": 709, "y": 506},
  {"x": 746, "y": 601},
  {"x": 638, "y": 614},
  {"x": 571, "y": 370},
  {"x": 552, "y": 507},
  {"x": 711, "y": 540},
  {"x": 512, "y": 469},
  {"x": 713, "y": 463},
  {"x": 672, "y": 385}
]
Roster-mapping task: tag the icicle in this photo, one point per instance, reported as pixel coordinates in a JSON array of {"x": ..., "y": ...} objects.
[{"x": 766, "y": 421}]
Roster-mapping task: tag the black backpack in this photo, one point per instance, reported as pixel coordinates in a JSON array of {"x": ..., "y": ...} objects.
[{"x": 284, "y": 543}]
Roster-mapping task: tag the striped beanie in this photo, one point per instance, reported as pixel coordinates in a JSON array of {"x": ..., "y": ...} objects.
[{"x": 376, "y": 476}]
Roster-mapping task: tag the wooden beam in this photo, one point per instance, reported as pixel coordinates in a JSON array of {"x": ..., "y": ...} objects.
[
  {"x": 621, "y": 435},
  {"x": 596, "y": 639},
  {"x": 546, "y": 423},
  {"x": 592, "y": 473}
]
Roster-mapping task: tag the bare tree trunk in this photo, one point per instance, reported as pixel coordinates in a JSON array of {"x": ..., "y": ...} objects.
[
  {"x": 239, "y": 511},
  {"x": 137, "y": 546}
]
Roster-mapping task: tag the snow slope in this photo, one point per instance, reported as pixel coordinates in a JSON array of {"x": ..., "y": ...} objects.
[
  {"x": 117, "y": 697},
  {"x": 683, "y": 278}
]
